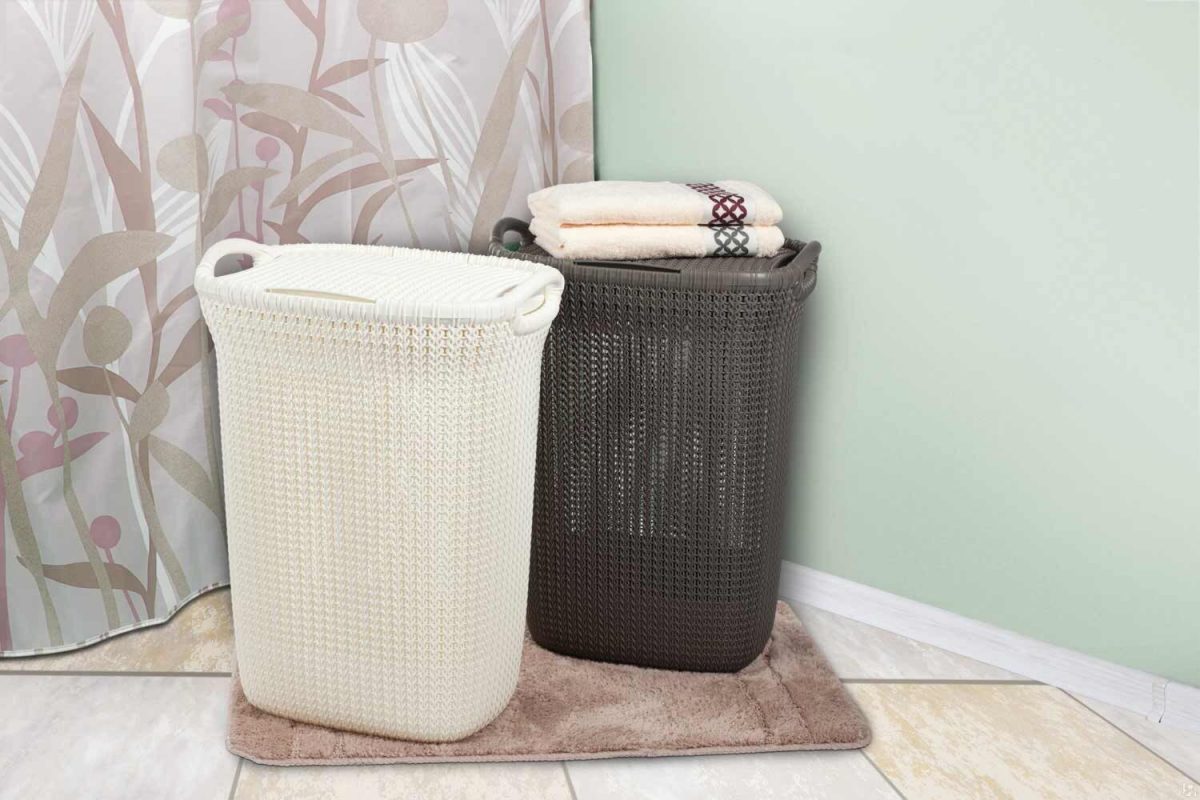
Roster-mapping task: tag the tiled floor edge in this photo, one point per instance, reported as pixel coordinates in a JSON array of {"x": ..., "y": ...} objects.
[
  {"x": 1130, "y": 736},
  {"x": 237, "y": 773},
  {"x": 570, "y": 784},
  {"x": 883, "y": 775}
]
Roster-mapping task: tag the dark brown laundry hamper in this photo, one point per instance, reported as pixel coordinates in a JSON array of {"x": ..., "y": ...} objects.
[{"x": 662, "y": 456}]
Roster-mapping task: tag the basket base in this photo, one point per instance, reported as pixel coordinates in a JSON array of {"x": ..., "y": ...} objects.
[
  {"x": 448, "y": 730},
  {"x": 683, "y": 637}
]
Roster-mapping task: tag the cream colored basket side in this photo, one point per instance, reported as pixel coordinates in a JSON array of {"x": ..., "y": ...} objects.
[{"x": 379, "y": 485}]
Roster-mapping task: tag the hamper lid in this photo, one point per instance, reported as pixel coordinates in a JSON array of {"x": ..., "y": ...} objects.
[
  {"x": 795, "y": 263},
  {"x": 383, "y": 283}
]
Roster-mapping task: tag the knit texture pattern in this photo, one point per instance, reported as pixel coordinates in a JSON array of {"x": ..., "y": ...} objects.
[
  {"x": 379, "y": 487},
  {"x": 663, "y": 458}
]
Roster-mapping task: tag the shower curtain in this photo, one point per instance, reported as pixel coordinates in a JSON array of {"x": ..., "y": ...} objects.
[{"x": 132, "y": 133}]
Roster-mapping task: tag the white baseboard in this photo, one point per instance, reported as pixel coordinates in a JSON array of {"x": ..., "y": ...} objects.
[
  {"x": 1183, "y": 706},
  {"x": 1156, "y": 698}
]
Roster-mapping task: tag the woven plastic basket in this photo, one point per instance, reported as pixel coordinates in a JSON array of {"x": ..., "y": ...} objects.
[
  {"x": 378, "y": 417},
  {"x": 663, "y": 451}
]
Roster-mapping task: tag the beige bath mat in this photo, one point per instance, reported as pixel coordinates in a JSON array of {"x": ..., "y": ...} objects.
[{"x": 567, "y": 708}]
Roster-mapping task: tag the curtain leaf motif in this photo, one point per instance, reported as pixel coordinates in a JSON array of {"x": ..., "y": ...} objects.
[{"x": 148, "y": 129}]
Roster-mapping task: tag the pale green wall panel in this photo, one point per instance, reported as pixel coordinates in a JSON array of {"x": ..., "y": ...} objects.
[{"x": 1002, "y": 357}]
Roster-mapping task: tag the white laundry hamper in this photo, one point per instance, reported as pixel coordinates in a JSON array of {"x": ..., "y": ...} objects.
[{"x": 378, "y": 419}]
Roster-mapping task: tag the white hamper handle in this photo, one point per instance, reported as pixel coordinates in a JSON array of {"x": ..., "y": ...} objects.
[
  {"x": 549, "y": 284},
  {"x": 529, "y": 306},
  {"x": 205, "y": 270}
]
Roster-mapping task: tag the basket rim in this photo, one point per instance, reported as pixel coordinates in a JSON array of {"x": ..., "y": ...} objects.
[
  {"x": 801, "y": 268},
  {"x": 528, "y": 304}
]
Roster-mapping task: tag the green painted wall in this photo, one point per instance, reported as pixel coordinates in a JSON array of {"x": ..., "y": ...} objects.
[{"x": 1001, "y": 412}]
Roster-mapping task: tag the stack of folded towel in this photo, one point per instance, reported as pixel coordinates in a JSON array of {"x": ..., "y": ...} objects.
[{"x": 636, "y": 219}]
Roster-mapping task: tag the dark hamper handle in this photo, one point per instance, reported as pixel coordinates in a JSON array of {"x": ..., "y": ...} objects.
[{"x": 514, "y": 225}]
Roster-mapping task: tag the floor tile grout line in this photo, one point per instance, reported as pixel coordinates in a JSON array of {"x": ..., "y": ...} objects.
[
  {"x": 113, "y": 673},
  {"x": 1131, "y": 737},
  {"x": 951, "y": 681},
  {"x": 570, "y": 783},
  {"x": 237, "y": 773},
  {"x": 883, "y": 775}
]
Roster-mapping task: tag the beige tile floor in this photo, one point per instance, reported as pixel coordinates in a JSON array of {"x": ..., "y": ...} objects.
[{"x": 144, "y": 715}]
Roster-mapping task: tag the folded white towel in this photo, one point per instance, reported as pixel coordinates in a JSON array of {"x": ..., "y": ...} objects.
[
  {"x": 654, "y": 241},
  {"x": 656, "y": 203}
]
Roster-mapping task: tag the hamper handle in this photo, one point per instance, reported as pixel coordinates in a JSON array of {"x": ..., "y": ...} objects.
[
  {"x": 514, "y": 225},
  {"x": 205, "y": 270},
  {"x": 548, "y": 283}
]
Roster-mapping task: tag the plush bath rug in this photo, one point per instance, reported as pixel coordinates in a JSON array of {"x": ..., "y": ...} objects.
[{"x": 567, "y": 708}]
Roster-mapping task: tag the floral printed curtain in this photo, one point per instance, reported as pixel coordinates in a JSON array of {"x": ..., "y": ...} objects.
[{"x": 134, "y": 132}]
